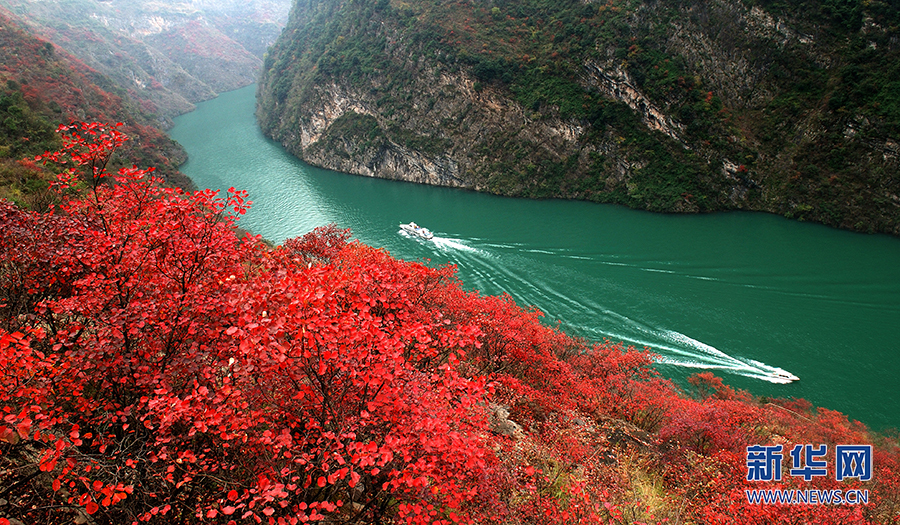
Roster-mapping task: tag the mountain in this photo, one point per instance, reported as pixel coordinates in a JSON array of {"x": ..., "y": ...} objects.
[
  {"x": 785, "y": 106},
  {"x": 41, "y": 87},
  {"x": 168, "y": 54}
]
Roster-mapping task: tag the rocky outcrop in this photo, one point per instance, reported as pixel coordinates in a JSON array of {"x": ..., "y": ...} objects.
[
  {"x": 500, "y": 423},
  {"x": 474, "y": 118},
  {"x": 618, "y": 85},
  {"x": 667, "y": 106},
  {"x": 393, "y": 162}
]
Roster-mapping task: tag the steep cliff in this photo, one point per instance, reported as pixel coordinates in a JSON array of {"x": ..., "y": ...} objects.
[{"x": 791, "y": 106}]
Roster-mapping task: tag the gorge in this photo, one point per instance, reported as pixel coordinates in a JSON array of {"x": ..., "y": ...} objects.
[
  {"x": 159, "y": 365},
  {"x": 779, "y": 106}
]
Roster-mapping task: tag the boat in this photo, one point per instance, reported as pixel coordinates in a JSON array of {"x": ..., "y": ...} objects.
[
  {"x": 784, "y": 374},
  {"x": 414, "y": 229}
]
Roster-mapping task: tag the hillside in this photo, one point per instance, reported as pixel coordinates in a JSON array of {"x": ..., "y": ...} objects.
[
  {"x": 167, "y": 54},
  {"x": 785, "y": 106},
  {"x": 156, "y": 368},
  {"x": 42, "y": 87}
]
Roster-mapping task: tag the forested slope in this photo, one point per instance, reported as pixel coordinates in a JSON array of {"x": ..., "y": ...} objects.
[
  {"x": 42, "y": 87},
  {"x": 783, "y": 106},
  {"x": 166, "y": 54}
]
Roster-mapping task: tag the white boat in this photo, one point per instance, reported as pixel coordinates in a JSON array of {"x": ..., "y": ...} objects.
[
  {"x": 784, "y": 374},
  {"x": 414, "y": 229}
]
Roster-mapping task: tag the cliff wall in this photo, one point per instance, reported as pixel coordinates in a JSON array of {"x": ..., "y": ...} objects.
[{"x": 676, "y": 106}]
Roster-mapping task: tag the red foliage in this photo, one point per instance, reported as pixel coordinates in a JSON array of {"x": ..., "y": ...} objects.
[
  {"x": 159, "y": 357},
  {"x": 321, "y": 245},
  {"x": 50, "y": 78},
  {"x": 156, "y": 368},
  {"x": 708, "y": 385}
]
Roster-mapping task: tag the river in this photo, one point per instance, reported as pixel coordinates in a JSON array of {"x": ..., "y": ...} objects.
[{"x": 751, "y": 296}]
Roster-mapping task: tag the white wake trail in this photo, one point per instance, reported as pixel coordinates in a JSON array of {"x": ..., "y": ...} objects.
[
  {"x": 677, "y": 349},
  {"x": 710, "y": 357},
  {"x": 446, "y": 244},
  {"x": 672, "y": 348}
]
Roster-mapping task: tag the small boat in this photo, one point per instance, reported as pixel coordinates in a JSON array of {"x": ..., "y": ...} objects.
[
  {"x": 414, "y": 229},
  {"x": 784, "y": 374}
]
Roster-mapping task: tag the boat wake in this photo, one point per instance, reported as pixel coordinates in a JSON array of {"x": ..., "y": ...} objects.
[
  {"x": 548, "y": 290},
  {"x": 447, "y": 244},
  {"x": 677, "y": 349},
  {"x": 704, "y": 356}
]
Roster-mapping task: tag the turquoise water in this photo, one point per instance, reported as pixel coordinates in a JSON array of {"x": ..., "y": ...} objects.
[{"x": 753, "y": 297}]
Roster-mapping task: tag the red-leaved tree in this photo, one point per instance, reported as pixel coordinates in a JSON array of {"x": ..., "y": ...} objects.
[{"x": 156, "y": 367}]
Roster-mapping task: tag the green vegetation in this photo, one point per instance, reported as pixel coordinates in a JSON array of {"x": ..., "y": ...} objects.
[
  {"x": 41, "y": 89},
  {"x": 785, "y": 106},
  {"x": 167, "y": 53},
  {"x": 351, "y": 127},
  {"x": 24, "y": 131}
]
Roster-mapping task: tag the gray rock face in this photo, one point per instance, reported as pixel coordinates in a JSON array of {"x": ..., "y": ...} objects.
[
  {"x": 690, "y": 107},
  {"x": 499, "y": 422}
]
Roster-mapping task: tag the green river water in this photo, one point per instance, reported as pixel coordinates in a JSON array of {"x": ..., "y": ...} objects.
[{"x": 750, "y": 296}]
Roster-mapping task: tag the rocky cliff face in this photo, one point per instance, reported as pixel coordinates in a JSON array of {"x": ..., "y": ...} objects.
[{"x": 684, "y": 106}]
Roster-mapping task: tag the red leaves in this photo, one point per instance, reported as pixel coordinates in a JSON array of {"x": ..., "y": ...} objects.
[
  {"x": 320, "y": 245},
  {"x": 295, "y": 379},
  {"x": 85, "y": 144}
]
